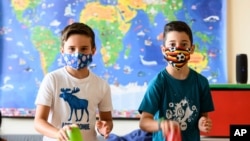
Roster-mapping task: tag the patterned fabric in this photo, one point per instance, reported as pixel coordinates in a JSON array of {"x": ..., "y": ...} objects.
[
  {"x": 177, "y": 56},
  {"x": 77, "y": 60}
]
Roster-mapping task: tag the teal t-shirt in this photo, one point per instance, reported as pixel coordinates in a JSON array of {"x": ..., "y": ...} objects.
[{"x": 179, "y": 100}]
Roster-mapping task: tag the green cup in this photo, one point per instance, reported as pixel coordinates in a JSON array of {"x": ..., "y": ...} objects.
[{"x": 74, "y": 134}]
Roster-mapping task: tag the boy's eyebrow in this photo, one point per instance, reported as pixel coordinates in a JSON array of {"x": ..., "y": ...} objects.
[
  {"x": 70, "y": 46},
  {"x": 181, "y": 41},
  {"x": 172, "y": 41},
  {"x": 84, "y": 46},
  {"x": 185, "y": 40}
]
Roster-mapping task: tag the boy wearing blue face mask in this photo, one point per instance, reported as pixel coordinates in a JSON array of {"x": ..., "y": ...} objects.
[
  {"x": 72, "y": 94},
  {"x": 178, "y": 99}
]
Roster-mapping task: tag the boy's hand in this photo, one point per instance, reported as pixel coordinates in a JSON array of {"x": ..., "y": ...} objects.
[
  {"x": 205, "y": 124},
  {"x": 171, "y": 130},
  {"x": 103, "y": 128},
  {"x": 62, "y": 133}
]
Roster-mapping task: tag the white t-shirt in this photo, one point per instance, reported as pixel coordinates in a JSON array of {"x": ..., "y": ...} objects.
[{"x": 65, "y": 95}]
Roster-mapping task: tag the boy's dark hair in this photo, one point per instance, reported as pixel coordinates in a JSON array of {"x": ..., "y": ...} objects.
[
  {"x": 78, "y": 28},
  {"x": 179, "y": 26}
]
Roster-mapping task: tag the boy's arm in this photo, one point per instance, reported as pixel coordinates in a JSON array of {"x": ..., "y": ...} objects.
[
  {"x": 205, "y": 123},
  {"x": 105, "y": 123},
  {"x": 147, "y": 122},
  {"x": 41, "y": 124}
]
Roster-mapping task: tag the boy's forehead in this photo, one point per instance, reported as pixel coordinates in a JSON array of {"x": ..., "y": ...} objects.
[
  {"x": 174, "y": 35},
  {"x": 78, "y": 39}
]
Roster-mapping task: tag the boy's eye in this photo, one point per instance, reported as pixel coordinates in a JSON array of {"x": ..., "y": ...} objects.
[
  {"x": 172, "y": 44},
  {"x": 83, "y": 49},
  {"x": 184, "y": 44},
  {"x": 71, "y": 49}
]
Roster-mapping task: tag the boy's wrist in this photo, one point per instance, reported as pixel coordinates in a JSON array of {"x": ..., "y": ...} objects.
[
  {"x": 99, "y": 132},
  {"x": 159, "y": 124}
]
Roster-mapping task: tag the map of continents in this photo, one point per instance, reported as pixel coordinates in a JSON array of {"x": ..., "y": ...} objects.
[{"x": 128, "y": 36}]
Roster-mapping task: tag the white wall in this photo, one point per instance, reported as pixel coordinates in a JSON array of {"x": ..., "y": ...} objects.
[
  {"x": 238, "y": 42},
  {"x": 238, "y": 34}
]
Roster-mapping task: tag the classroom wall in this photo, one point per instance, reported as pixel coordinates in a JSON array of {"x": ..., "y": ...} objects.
[
  {"x": 237, "y": 42},
  {"x": 237, "y": 35}
]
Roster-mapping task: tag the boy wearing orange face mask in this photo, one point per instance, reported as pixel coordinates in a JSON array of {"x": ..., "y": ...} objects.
[{"x": 178, "y": 99}]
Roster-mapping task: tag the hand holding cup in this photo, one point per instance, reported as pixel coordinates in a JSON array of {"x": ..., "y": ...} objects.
[
  {"x": 74, "y": 134},
  {"x": 172, "y": 131}
]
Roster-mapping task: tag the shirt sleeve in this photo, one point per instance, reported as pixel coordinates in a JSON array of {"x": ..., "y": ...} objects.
[
  {"x": 206, "y": 97},
  {"x": 151, "y": 100},
  {"x": 45, "y": 92},
  {"x": 106, "y": 102}
]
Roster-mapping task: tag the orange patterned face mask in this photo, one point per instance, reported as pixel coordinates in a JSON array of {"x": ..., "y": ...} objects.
[{"x": 177, "y": 56}]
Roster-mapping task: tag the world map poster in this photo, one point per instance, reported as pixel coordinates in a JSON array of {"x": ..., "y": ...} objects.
[{"x": 128, "y": 38}]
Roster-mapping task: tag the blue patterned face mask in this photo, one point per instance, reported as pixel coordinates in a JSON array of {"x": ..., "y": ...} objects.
[{"x": 77, "y": 60}]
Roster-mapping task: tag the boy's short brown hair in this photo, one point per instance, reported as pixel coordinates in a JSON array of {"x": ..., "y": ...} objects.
[
  {"x": 78, "y": 28},
  {"x": 179, "y": 26}
]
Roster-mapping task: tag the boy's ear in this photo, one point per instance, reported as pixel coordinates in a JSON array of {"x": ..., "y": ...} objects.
[
  {"x": 192, "y": 48},
  {"x": 93, "y": 49},
  {"x": 61, "y": 49},
  {"x": 163, "y": 49}
]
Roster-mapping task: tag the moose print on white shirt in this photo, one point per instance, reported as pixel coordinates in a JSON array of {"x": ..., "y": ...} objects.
[{"x": 74, "y": 102}]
